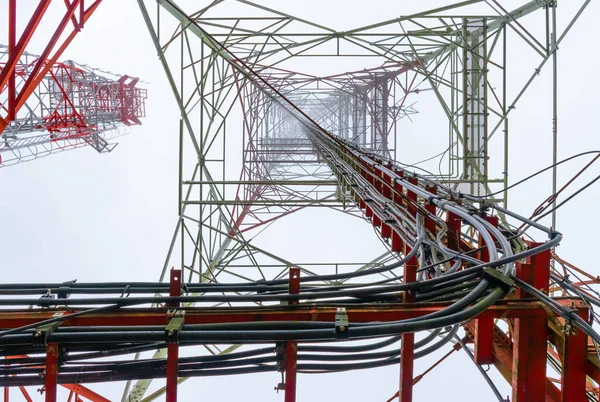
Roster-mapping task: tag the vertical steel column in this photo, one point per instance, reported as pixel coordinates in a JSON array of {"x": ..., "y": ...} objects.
[
  {"x": 291, "y": 347},
  {"x": 529, "y": 335},
  {"x": 484, "y": 327},
  {"x": 379, "y": 185},
  {"x": 454, "y": 223},
  {"x": 574, "y": 358},
  {"x": 540, "y": 262},
  {"x": 407, "y": 353},
  {"x": 368, "y": 211},
  {"x": 51, "y": 372},
  {"x": 368, "y": 175},
  {"x": 173, "y": 347},
  {"x": 397, "y": 243},
  {"x": 386, "y": 191},
  {"x": 484, "y": 340},
  {"x": 429, "y": 222},
  {"x": 412, "y": 197}
]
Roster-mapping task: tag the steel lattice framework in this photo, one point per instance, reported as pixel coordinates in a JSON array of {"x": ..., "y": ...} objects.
[
  {"x": 47, "y": 106},
  {"x": 458, "y": 268}
]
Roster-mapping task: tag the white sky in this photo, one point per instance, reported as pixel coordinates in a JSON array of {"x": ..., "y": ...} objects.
[{"x": 80, "y": 215}]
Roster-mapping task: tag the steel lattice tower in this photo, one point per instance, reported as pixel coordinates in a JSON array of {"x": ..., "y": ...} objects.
[
  {"x": 48, "y": 106},
  {"x": 457, "y": 269}
]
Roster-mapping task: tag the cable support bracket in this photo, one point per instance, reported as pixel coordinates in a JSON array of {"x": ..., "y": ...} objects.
[
  {"x": 569, "y": 328},
  {"x": 433, "y": 198},
  {"x": 41, "y": 333},
  {"x": 175, "y": 325},
  {"x": 341, "y": 324},
  {"x": 498, "y": 278},
  {"x": 261, "y": 286},
  {"x": 280, "y": 356}
]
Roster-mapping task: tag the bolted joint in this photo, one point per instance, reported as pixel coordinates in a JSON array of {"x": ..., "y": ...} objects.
[
  {"x": 341, "y": 324},
  {"x": 41, "y": 333},
  {"x": 175, "y": 325}
]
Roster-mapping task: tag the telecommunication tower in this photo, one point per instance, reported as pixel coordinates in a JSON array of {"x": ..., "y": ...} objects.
[
  {"x": 459, "y": 271},
  {"x": 49, "y": 106}
]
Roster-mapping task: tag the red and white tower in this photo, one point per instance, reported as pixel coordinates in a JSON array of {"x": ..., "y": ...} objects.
[{"x": 47, "y": 106}]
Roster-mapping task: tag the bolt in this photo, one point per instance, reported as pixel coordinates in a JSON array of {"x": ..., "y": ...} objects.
[{"x": 342, "y": 328}]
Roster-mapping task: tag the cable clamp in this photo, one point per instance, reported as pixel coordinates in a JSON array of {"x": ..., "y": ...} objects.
[
  {"x": 280, "y": 356},
  {"x": 41, "y": 333},
  {"x": 341, "y": 324},
  {"x": 46, "y": 299},
  {"x": 569, "y": 328},
  {"x": 63, "y": 292},
  {"x": 570, "y": 316},
  {"x": 261, "y": 286},
  {"x": 498, "y": 278},
  {"x": 175, "y": 325}
]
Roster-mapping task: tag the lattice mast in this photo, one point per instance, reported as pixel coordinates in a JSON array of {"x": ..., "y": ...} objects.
[{"x": 48, "y": 106}]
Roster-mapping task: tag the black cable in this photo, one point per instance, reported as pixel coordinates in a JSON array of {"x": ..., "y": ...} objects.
[
  {"x": 569, "y": 198},
  {"x": 538, "y": 173},
  {"x": 481, "y": 370},
  {"x": 58, "y": 319},
  {"x": 567, "y": 314}
]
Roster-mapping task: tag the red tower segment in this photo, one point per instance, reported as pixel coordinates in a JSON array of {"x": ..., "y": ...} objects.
[{"x": 47, "y": 106}]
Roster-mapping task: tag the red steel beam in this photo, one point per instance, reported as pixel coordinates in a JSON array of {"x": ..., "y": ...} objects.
[
  {"x": 156, "y": 316},
  {"x": 12, "y": 39},
  {"x": 407, "y": 352},
  {"x": 291, "y": 364},
  {"x": 291, "y": 347},
  {"x": 484, "y": 326},
  {"x": 484, "y": 335},
  {"x": 172, "y": 372},
  {"x": 431, "y": 208},
  {"x": 32, "y": 25},
  {"x": 503, "y": 361},
  {"x": 173, "y": 347},
  {"x": 454, "y": 223},
  {"x": 51, "y": 379},
  {"x": 574, "y": 358},
  {"x": 85, "y": 392},
  {"x": 529, "y": 346},
  {"x": 397, "y": 243},
  {"x": 73, "y": 17},
  {"x": 412, "y": 197},
  {"x": 25, "y": 394},
  {"x": 541, "y": 279}
]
